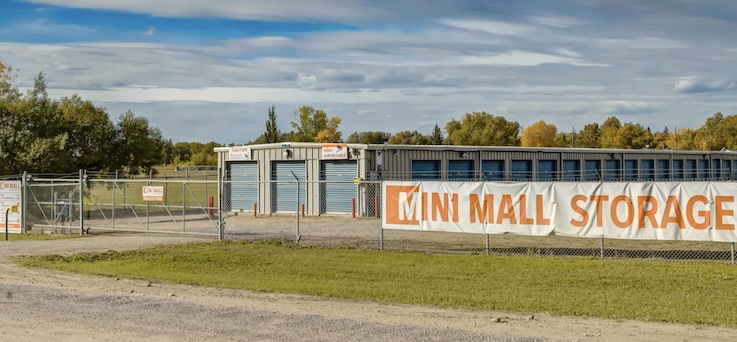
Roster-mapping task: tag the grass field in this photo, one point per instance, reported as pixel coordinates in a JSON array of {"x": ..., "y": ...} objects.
[{"x": 644, "y": 290}]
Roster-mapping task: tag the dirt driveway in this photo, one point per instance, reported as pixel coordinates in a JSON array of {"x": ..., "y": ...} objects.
[{"x": 40, "y": 305}]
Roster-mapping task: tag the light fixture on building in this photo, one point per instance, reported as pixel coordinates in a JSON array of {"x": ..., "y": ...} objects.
[
  {"x": 464, "y": 154},
  {"x": 287, "y": 153}
]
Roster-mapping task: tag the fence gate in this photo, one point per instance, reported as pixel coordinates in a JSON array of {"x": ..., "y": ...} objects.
[
  {"x": 53, "y": 203},
  {"x": 175, "y": 202}
]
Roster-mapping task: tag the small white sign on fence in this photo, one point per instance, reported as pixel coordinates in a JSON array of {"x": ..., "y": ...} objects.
[
  {"x": 153, "y": 193},
  {"x": 10, "y": 201}
]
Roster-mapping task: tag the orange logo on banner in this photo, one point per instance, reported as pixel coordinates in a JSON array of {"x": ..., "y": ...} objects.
[{"x": 406, "y": 205}]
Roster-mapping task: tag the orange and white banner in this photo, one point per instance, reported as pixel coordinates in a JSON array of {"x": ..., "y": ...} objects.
[
  {"x": 10, "y": 204},
  {"x": 695, "y": 211}
]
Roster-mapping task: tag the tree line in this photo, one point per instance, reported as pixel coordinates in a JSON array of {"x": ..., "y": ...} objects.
[
  {"x": 484, "y": 129},
  {"x": 41, "y": 134}
]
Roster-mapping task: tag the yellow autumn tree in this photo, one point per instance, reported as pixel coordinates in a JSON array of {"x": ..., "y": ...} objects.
[
  {"x": 330, "y": 133},
  {"x": 540, "y": 134}
]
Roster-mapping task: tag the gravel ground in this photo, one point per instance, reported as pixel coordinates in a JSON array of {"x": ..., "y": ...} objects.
[{"x": 41, "y": 305}]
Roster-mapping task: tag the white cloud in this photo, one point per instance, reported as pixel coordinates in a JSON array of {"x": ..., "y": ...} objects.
[
  {"x": 151, "y": 31},
  {"x": 695, "y": 86},
  {"x": 491, "y": 27},
  {"x": 46, "y": 27},
  {"x": 444, "y": 60},
  {"x": 554, "y": 20},
  {"x": 524, "y": 58},
  {"x": 321, "y": 10}
]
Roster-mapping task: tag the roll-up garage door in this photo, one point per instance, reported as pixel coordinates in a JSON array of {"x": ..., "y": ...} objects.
[
  {"x": 461, "y": 169},
  {"x": 284, "y": 189},
  {"x": 243, "y": 185},
  {"x": 338, "y": 189},
  {"x": 425, "y": 169}
]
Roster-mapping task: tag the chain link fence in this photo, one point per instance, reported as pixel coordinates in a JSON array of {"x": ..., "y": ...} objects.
[
  {"x": 314, "y": 213},
  {"x": 52, "y": 202},
  {"x": 360, "y": 227},
  {"x": 182, "y": 202}
]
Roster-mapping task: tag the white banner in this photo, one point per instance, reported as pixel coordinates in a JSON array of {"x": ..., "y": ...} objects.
[
  {"x": 10, "y": 201},
  {"x": 695, "y": 211}
]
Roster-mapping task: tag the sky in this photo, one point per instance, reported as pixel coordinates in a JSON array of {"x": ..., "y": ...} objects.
[{"x": 209, "y": 70}]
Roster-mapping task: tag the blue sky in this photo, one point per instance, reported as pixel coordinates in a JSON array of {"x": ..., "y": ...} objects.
[{"x": 209, "y": 70}]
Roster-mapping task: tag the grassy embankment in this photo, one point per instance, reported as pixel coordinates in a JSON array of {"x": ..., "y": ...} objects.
[
  {"x": 36, "y": 237},
  {"x": 644, "y": 290}
]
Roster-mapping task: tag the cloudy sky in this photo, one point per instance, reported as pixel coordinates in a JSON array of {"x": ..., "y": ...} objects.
[{"x": 208, "y": 70}]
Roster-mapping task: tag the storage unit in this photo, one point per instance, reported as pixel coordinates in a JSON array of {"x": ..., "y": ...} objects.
[
  {"x": 493, "y": 170},
  {"x": 547, "y": 170},
  {"x": 284, "y": 188},
  {"x": 425, "y": 169},
  {"x": 337, "y": 189},
  {"x": 243, "y": 178},
  {"x": 461, "y": 170},
  {"x": 327, "y": 171}
]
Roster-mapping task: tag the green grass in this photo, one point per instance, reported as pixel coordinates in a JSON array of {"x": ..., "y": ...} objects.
[
  {"x": 37, "y": 237},
  {"x": 644, "y": 290}
]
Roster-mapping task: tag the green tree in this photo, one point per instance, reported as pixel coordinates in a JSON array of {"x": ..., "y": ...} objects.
[
  {"x": 633, "y": 136},
  {"x": 368, "y": 137},
  {"x": 408, "y": 138},
  {"x": 311, "y": 125},
  {"x": 482, "y": 129},
  {"x": 609, "y": 132},
  {"x": 139, "y": 146},
  {"x": 40, "y": 134},
  {"x": 272, "y": 133},
  {"x": 589, "y": 136},
  {"x": 436, "y": 137},
  {"x": 718, "y": 132}
]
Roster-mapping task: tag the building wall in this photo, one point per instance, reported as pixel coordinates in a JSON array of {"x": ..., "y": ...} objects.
[{"x": 377, "y": 162}]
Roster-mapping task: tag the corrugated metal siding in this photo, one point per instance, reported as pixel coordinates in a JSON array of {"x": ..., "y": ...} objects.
[
  {"x": 284, "y": 190},
  {"x": 338, "y": 189},
  {"x": 244, "y": 185}
]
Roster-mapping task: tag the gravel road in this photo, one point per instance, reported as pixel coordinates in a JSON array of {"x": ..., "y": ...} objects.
[{"x": 41, "y": 305}]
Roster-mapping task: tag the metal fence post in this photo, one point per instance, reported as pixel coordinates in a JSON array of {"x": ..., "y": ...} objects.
[
  {"x": 221, "y": 222},
  {"x": 81, "y": 201},
  {"x": 298, "y": 237},
  {"x": 184, "y": 200},
  {"x": 148, "y": 203},
  {"x": 601, "y": 243},
  {"x": 115, "y": 189},
  {"x": 381, "y": 236},
  {"x": 488, "y": 247},
  {"x": 24, "y": 201},
  {"x": 732, "y": 253}
]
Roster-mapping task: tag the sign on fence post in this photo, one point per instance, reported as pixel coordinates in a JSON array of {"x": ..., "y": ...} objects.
[
  {"x": 153, "y": 193},
  {"x": 10, "y": 202}
]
